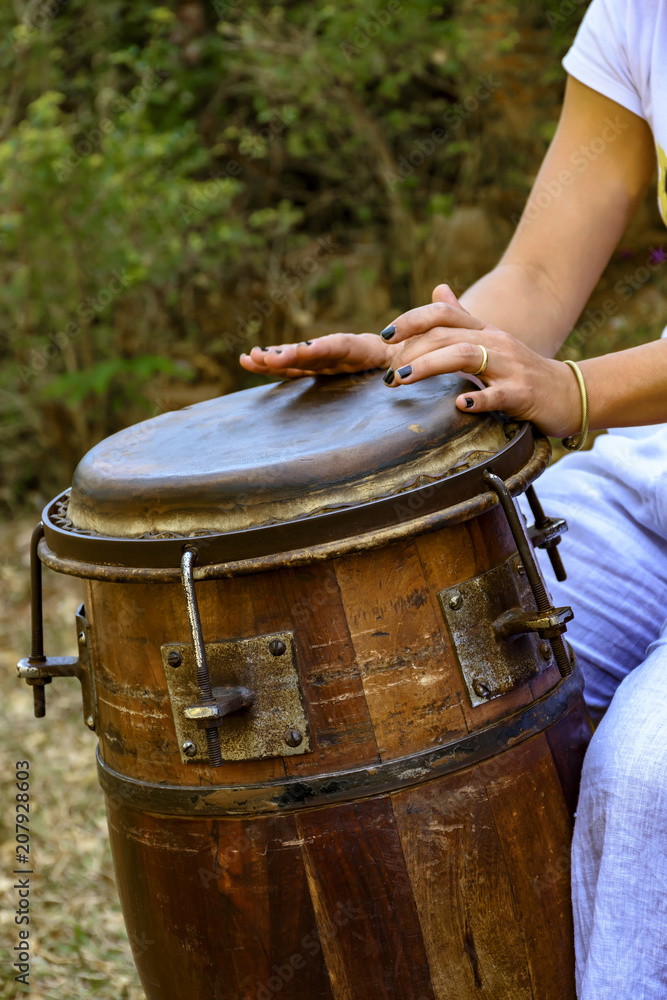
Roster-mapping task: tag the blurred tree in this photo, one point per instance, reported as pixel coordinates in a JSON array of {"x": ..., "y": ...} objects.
[{"x": 175, "y": 178}]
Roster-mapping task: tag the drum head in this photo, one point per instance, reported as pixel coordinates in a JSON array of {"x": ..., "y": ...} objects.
[{"x": 279, "y": 453}]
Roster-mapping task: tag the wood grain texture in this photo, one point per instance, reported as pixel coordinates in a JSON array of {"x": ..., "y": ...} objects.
[
  {"x": 218, "y": 908},
  {"x": 307, "y": 600},
  {"x": 548, "y": 678},
  {"x": 492, "y": 537},
  {"x": 409, "y": 674},
  {"x": 129, "y": 625},
  {"x": 568, "y": 741},
  {"x": 356, "y": 868},
  {"x": 533, "y": 825},
  {"x": 463, "y": 890}
]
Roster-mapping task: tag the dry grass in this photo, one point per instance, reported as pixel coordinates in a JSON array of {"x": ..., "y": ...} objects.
[{"x": 77, "y": 937}]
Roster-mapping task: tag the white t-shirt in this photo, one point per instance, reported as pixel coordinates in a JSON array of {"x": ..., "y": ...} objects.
[{"x": 621, "y": 51}]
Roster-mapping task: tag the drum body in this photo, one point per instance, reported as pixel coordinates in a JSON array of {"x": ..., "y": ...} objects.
[{"x": 393, "y": 812}]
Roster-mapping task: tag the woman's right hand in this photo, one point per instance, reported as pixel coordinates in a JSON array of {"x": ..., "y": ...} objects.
[
  {"x": 330, "y": 355},
  {"x": 335, "y": 353}
]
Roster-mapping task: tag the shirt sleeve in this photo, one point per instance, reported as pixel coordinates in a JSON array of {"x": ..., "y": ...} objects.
[{"x": 599, "y": 56}]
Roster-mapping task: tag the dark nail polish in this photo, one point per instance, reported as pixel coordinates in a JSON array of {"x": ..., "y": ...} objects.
[
  {"x": 263, "y": 348},
  {"x": 389, "y": 377},
  {"x": 405, "y": 371},
  {"x": 469, "y": 401},
  {"x": 305, "y": 343},
  {"x": 309, "y": 342},
  {"x": 277, "y": 350},
  {"x": 388, "y": 332}
]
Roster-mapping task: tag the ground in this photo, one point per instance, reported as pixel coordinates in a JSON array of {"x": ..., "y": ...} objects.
[{"x": 77, "y": 938}]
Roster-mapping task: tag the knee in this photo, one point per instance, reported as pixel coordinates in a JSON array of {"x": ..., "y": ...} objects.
[{"x": 627, "y": 758}]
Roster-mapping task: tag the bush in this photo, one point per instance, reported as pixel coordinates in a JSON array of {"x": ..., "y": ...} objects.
[{"x": 175, "y": 179}]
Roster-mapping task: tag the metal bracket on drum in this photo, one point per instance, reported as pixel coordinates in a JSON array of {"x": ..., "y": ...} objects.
[
  {"x": 39, "y": 670},
  {"x": 496, "y": 630},
  {"x": 238, "y": 699},
  {"x": 554, "y": 632},
  {"x": 502, "y": 622},
  {"x": 516, "y": 622}
]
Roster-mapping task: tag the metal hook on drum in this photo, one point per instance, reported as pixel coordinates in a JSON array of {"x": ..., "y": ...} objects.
[
  {"x": 37, "y": 670},
  {"x": 550, "y": 622},
  {"x": 209, "y": 709}
]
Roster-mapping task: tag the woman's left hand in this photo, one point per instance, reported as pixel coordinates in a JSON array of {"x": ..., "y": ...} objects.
[{"x": 443, "y": 337}]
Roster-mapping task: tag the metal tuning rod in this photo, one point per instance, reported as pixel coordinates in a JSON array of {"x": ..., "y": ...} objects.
[
  {"x": 546, "y": 532},
  {"x": 554, "y": 619},
  {"x": 206, "y": 699},
  {"x": 37, "y": 658},
  {"x": 38, "y": 670}
]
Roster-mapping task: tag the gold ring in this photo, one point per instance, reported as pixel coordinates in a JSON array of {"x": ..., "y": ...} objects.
[{"x": 485, "y": 361}]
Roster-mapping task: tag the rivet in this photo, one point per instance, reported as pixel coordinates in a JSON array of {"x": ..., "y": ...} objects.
[
  {"x": 82, "y": 638},
  {"x": 277, "y": 647},
  {"x": 545, "y": 650},
  {"x": 174, "y": 659},
  {"x": 519, "y": 567},
  {"x": 90, "y": 722},
  {"x": 481, "y": 687},
  {"x": 293, "y": 737},
  {"x": 189, "y": 748},
  {"x": 455, "y": 602}
]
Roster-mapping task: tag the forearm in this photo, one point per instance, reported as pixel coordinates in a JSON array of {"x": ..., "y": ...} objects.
[
  {"x": 523, "y": 303},
  {"x": 628, "y": 388},
  {"x": 575, "y": 216}
]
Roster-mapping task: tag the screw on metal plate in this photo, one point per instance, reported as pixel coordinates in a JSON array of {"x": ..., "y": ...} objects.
[
  {"x": 293, "y": 737},
  {"x": 481, "y": 687},
  {"x": 174, "y": 659},
  {"x": 545, "y": 650},
  {"x": 189, "y": 749},
  {"x": 455, "y": 602},
  {"x": 277, "y": 647},
  {"x": 519, "y": 566},
  {"x": 82, "y": 638}
]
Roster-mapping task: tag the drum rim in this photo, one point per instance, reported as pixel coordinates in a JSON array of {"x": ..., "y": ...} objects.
[{"x": 326, "y": 535}]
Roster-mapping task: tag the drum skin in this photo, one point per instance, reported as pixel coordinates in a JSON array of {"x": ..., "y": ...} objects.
[{"x": 443, "y": 889}]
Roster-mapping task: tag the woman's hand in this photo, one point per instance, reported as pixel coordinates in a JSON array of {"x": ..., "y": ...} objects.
[
  {"x": 443, "y": 337},
  {"x": 331, "y": 355},
  {"x": 433, "y": 340}
]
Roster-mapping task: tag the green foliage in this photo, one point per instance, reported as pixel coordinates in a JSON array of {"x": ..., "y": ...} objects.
[{"x": 165, "y": 169}]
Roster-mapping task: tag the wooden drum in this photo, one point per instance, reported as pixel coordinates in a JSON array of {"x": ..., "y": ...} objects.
[{"x": 340, "y": 734}]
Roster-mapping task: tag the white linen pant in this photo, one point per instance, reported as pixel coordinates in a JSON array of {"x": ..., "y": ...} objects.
[{"x": 615, "y": 554}]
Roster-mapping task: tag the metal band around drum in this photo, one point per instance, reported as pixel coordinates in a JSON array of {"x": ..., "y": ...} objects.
[{"x": 326, "y": 789}]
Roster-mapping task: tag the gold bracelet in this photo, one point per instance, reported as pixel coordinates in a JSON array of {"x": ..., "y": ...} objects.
[{"x": 577, "y": 441}]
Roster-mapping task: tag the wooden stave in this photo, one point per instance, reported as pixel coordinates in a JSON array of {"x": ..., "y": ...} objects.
[{"x": 495, "y": 837}]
